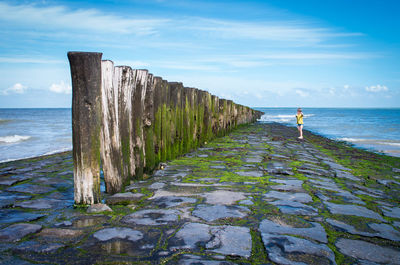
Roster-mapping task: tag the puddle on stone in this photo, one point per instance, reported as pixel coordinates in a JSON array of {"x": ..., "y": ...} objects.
[{"x": 89, "y": 221}]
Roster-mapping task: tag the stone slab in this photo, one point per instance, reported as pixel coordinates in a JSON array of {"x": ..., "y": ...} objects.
[
  {"x": 16, "y": 232},
  {"x": 211, "y": 213},
  {"x": 124, "y": 198},
  {"x": 223, "y": 197},
  {"x": 30, "y": 188},
  {"x": 118, "y": 233},
  {"x": 348, "y": 209},
  {"x": 153, "y": 217}
]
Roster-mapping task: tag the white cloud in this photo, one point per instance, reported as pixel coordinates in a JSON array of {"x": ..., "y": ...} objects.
[
  {"x": 60, "y": 17},
  {"x": 377, "y": 88},
  {"x": 62, "y": 88},
  {"x": 302, "y": 93},
  {"x": 17, "y": 88}
]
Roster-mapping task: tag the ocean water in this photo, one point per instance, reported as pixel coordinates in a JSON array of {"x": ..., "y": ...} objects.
[
  {"x": 33, "y": 132},
  {"x": 373, "y": 129}
]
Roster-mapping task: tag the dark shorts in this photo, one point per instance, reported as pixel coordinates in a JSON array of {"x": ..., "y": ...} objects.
[{"x": 300, "y": 124}]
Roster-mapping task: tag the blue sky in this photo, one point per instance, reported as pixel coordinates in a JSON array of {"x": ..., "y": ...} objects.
[{"x": 277, "y": 53}]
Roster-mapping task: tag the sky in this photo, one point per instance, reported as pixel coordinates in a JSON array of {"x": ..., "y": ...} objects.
[{"x": 270, "y": 53}]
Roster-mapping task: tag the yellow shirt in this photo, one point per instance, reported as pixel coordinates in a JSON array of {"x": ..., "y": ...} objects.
[{"x": 299, "y": 118}]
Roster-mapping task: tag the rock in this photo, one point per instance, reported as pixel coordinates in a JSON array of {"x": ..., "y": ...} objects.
[
  {"x": 14, "y": 216},
  {"x": 283, "y": 249},
  {"x": 193, "y": 259},
  {"x": 98, "y": 207},
  {"x": 356, "y": 210},
  {"x": 298, "y": 197},
  {"x": 192, "y": 233},
  {"x": 152, "y": 217},
  {"x": 65, "y": 223},
  {"x": 257, "y": 174},
  {"x": 293, "y": 207},
  {"x": 316, "y": 231},
  {"x": 172, "y": 201},
  {"x": 30, "y": 188},
  {"x": 118, "y": 232},
  {"x": 124, "y": 198},
  {"x": 382, "y": 230},
  {"x": 8, "y": 181},
  {"x": 88, "y": 221},
  {"x": 157, "y": 185},
  {"x": 215, "y": 212},
  {"x": 231, "y": 240},
  {"x": 288, "y": 184},
  {"x": 392, "y": 212},
  {"x": 367, "y": 251},
  {"x": 38, "y": 247},
  {"x": 226, "y": 240},
  {"x": 16, "y": 232},
  {"x": 253, "y": 159},
  {"x": 223, "y": 197},
  {"x": 40, "y": 204},
  {"x": 9, "y": 199},
  {"x": 247, "y": 202},
  {"x": 59, "y": 234}
]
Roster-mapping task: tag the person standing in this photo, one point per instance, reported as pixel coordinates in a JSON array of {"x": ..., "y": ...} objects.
[{"x": 299, "y": 118}]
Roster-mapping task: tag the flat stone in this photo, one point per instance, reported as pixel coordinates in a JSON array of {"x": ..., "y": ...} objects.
[
  {"x": 284, "y": 249},
  {"x": 16, "y": 232},
  {"x": 388, "y": 182},
  {"x": 88, "y": 221},
  {"x": 30, "y": 188},
  {"x": 191, "y": 234},
  {"x": 253, "y": 159},
  {"x": 99, "y": 207},
  {"x": 293, "y": 207},
  {"x": 64, "y": 223},
  {"x": 218, "y": 167},
  {"x": 247, "y": 202},
  {"x": 118, "y": 232},
  {"x": 40, "y": 204},
  {"x": 152, "y": 217},
  {"x": 9, "y": 199},
  {"x": 253, "y": 173},
  {"x": 223, "y": 197},
  {"x": 316, "y": 231},
  {"x": 226, "y": 240},
  {"x": 14, "y": 216},
  {"x": 346, "y": 175},
  {"x": 38, "y": 247},
  {"x": 193, "y": 259},
  {"x": 393, "y": 212},
  {"x": 335, "y": 166},
  {"x": 288, "y": 184},
  {"x": 382, "y": 230},
  {"x": 173, "y": 201},
  {"x": 298, "y": 197},
  {"x": 367, "y": 251},
  {"x": 356, "y": 210},
  {"x": 157, "y": 185},
  {"x": 8, "y": 181},
  {"x": 124, "y": 198},
  {"x": 230, "y": 240},
  {"x": 211, "y": 213}
]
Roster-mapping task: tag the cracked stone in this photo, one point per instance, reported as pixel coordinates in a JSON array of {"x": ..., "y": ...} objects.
[
  {"x": 152, "y": 217},
  {"x": 223, "y": 197},
  {"x": 298, "y": 197},
  {"x": 124, "y": 198},
  {"x": 8, "y": 181},
  {"x": 316, "y": 231},
  {"x": 30, "y": 188},
  {"x": 173, "y": 201},
  {"x": 14, "y": 216},
  {"x": 367, "y": 251},
  {"x": 16, "y": 232},
  {"x": 211, "y": 213},
  {"x": 99, "y": 207},
  {"x": 382, "y": 230},
  {"x": 348, "y": 209},
  {"x": 393, "y": 212},
  {"x": 40, "y": 204},
  {"x": 293, "y": 207},
  {"x": 118, "y": 232}
]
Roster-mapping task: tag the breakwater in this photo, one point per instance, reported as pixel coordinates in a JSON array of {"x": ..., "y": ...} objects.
[{"x": 127, "y": 121}]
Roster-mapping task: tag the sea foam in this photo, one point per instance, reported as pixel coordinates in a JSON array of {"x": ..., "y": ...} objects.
[{"x": 9, "y": 139}]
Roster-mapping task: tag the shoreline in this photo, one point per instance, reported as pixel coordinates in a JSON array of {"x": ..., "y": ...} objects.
[{"x": 349, "y": 144}]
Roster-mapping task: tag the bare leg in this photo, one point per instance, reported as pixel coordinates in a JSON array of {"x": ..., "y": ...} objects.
[{"x": 300, "y": 131}]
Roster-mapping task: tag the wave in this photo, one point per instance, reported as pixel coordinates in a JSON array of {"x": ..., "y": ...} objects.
[
  {"x": 58, "y": 151},
  {"x": 282, "y": 117},
  {"x": 13, "y": 139},
  {"x": 371, "y": 141}
]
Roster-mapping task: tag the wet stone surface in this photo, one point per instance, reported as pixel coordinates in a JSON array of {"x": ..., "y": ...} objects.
[{"x": 255, "y": 196}]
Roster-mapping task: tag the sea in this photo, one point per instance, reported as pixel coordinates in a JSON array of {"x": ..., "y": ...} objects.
[
  {"x": 26, "y": 133},
  {"x": 376, "y": 130}
]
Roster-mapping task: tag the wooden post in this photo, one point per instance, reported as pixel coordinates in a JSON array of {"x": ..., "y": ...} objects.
[{"x": 86, "y": 125}]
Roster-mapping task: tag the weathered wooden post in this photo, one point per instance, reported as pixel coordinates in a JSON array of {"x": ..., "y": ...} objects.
[{"x": 86, "y": 124}]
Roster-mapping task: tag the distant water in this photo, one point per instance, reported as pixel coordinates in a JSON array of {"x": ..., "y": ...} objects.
[
  {"x": 374, "y": 129},
  {"x": 32, "y": 132}
]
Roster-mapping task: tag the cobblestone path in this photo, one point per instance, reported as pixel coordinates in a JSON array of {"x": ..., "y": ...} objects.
[{"x": 256, "y": 196}]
